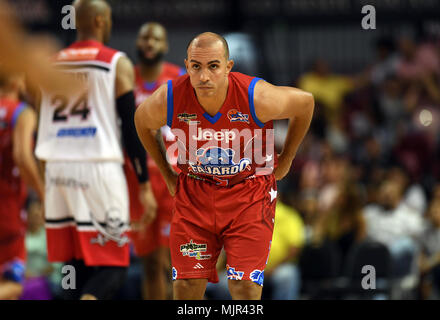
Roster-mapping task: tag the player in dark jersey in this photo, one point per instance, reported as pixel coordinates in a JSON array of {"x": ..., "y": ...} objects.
[
  {"x": 150, "y": 233},
  {"x": 17, "y": 166},
  {"x": 226, "y": 193}
]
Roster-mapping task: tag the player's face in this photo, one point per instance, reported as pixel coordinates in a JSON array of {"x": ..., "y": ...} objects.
[
  {"x": 208, "y": 69},
  {"x": 152, "y": 43}
]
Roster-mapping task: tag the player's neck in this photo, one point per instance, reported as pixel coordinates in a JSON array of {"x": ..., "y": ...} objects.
[
  {"x": 213, "y": 103},
  {"x": 150, "y": 73},
  {"x": 88, "y": 37}
]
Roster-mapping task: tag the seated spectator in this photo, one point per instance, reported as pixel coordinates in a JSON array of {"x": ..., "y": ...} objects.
[
  {"x": 395, "y": 224},
  {"x": 326, "y": 87},
  {"x": 344, "y": 223},
  {"x": 416, "y": 60},
  {"x": 386, "y": 61},
  {"x": 43, "y": 279}
]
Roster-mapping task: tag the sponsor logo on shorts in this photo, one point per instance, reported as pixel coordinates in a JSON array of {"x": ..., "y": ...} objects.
[
  {"x": 198, "y": 266},
  {"x": 232, "y": 274},
  {"x": 174, "y": 271},
  {"x": 112, "y": 230},
  {"x": 257, "y": 276},
  {"x": 68, "y": 182},
  {"x": 195, "y": 250}
]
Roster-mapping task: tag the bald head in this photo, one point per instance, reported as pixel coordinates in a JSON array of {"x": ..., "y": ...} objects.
[
  {"x": 93, "y": 17},
  {"x": 209, "y": 39}
]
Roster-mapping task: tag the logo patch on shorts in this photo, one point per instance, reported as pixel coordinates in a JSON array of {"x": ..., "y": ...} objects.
[
  {"x": 174, "y": 273},
  {"x": 195, "y": 250},
  {"x": 257, "y": 276},
  {"x": 113, "y": 229},
  {"x": 232, "y": 274}
]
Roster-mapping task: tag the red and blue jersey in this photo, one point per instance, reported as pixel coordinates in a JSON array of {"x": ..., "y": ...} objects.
[
  {"x": 145, "y": 89},
  {"x": 10, "y": 182},
  {"x": 142, "y": 91},
  {"x": 224, "y": 148},
  {"x": 12, "y": 188}
]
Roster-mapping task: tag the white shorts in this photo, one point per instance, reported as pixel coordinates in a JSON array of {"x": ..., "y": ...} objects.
[{"x": 86, "y": 204}]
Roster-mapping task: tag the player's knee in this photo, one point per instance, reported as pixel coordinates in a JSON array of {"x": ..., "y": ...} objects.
[
  {"x": 189, "y": 288},
  {"x": 185, "y": 284},
  {"x": 244, "y": 290}
]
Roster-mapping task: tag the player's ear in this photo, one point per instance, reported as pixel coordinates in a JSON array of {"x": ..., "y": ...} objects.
[
  {"x": 99, "y": 21},
  {"x": 186, "y": 64},
  {"x": 229, "y": 66}
]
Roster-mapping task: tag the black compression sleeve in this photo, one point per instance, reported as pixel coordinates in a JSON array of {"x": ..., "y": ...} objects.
[{"x": 125, "y": 105}]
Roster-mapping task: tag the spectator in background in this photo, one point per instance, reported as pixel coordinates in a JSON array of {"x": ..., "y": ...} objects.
[
  {"x": 395, "y": 224},
  {"x": 416, "y": 60},
  {"x": 282, "y": 273},
  {"x": 343, "y": 222},
  {"x": 43, "y": 279},
  {"x": 327, "y": 88},
  {"x": 386, "y": 61},
  {"x": 429, "y": 261},
  {"x": 419, "y": 69}
]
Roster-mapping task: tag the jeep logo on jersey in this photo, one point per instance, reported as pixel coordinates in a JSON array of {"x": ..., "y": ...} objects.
[{"x": 209, "y": 134}]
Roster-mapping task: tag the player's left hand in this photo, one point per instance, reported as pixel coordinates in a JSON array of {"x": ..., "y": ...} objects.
[
  {"x": 283, "y": 167},
  {"x": 149, "y": 203}
]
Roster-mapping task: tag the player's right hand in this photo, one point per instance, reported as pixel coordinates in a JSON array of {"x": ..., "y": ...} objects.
[{"x": 149, "y": 203}]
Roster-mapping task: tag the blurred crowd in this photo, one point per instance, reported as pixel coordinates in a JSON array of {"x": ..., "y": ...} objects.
[{"x": 368, "y": 170}]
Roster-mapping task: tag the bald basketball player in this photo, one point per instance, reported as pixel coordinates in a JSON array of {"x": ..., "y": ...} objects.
[
  {"x": 224, "y": 196},
  {"x": 151, "y": 243},
  {"x": 79, "y": 137}
]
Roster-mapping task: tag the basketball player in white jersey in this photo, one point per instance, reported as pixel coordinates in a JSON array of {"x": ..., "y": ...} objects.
[{"x": 80, "y": 139}]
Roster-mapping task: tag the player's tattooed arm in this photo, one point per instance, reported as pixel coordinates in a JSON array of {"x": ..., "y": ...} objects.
[
  {"x": 151, "y": 115},
  {"x": 276, "y": 103}
]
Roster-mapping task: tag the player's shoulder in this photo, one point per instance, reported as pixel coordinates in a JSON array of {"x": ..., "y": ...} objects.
[
  {"x": 10, "y": 110},
  {"x": 107, "y": 54},
  {"x": 88, "y": 51},
  {"x": 243, "y": 79}
]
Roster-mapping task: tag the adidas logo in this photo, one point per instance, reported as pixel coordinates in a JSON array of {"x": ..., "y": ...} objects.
[{"x": 198, "y": 266}]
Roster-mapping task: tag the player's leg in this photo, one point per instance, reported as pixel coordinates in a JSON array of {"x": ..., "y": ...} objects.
[
  {"x": 247, "y": 235},
  {"x": 194, "y": 246},
  {"x": 244, "y": 290},
  {"x": 101, "y": 205},
  {"x": 155, "y": 286},
  {"x": 189, "y": 289},
  {"x": 103, "y": 282}
]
